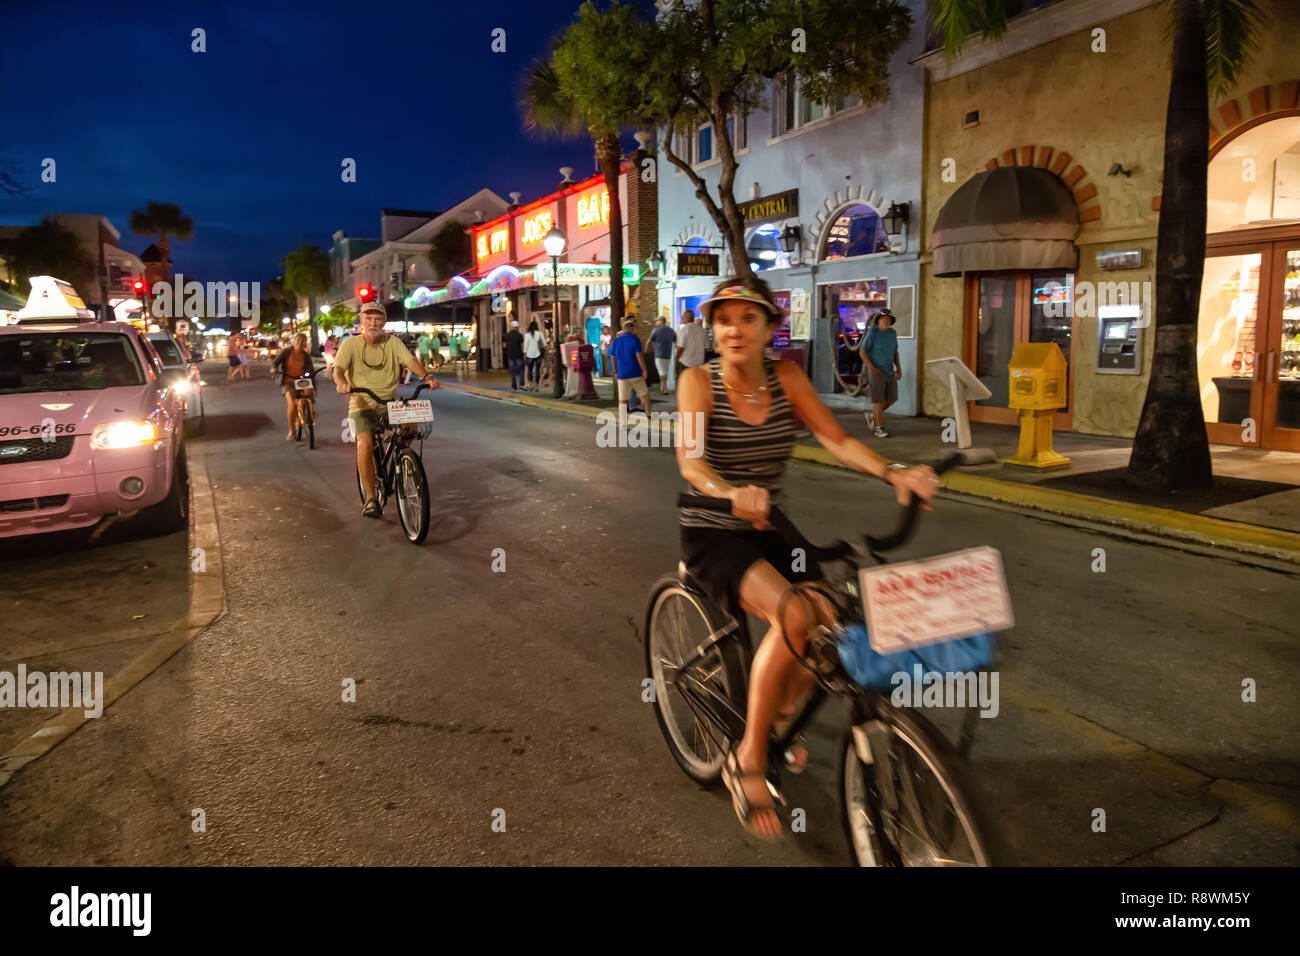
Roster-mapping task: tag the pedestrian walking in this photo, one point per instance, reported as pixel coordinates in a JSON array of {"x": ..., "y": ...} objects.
[
  {"x": 232, "y": 356},
  {"x": 690, "y": 343},
  {"x": 514, "y": 342},
  {"x": 548, "y": 343},
  {"x": 879, "y": 351},
  {"x": 605, "y": 338},
  {"x": 663, "y": 338},
  {"x": 533, "y": 355},
  {"x": 628, "y": 358},
  {"x": 244, "y": 370}
]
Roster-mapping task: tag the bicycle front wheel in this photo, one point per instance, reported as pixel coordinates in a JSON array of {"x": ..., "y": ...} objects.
[
  {"x": 412, "y": 496},
  {"x": 309, "y": 420},
  {"x": 913, "y": 804},
  {"x": 678, "y": 620}
]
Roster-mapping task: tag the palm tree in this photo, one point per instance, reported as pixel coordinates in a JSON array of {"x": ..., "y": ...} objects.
[
  {"x": 163, "y": 220},
  {"x": 49, "y": 249},
  {"x": 1212, "y": 43},
  {"x": 549, "y": 107},
  {"x": 307, "y": 273},
  {"x": 450, "y": 251}
]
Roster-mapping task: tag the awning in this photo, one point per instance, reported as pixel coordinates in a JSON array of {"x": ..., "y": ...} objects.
[{"x": 1012, "y": 217}]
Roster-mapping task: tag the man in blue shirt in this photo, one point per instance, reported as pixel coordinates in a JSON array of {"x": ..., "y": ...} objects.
[
  {"x": 879, "y": 353},
  {"x": 663, "y": 338},
  {"x": 628, "y": 358}
]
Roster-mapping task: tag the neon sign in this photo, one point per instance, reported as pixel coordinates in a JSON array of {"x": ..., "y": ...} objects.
[
  {"x": 536, "y": 227},
  {"x": 489, "y": 244},
  {"x": 593, "y": 209}
]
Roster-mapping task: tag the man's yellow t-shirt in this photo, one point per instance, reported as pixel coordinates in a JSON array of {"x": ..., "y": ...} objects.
[{"x": 376, "y": 367}]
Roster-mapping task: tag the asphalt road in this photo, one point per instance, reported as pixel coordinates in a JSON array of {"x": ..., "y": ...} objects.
[{"x": 482, "y": 692}]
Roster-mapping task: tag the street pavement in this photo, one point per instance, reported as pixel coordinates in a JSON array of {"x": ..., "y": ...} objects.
[{"x": 483, "y": 695}]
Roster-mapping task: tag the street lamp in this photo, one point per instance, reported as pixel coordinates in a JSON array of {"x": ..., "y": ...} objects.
[{"x": 554, "y": 243}]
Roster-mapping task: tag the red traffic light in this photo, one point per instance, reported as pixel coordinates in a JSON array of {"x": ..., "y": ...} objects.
[
  {"x": 138, "y": 285},
  {"x": 365, "y": 293}
]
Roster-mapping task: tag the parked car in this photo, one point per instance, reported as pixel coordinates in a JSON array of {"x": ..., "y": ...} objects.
[
  {"x": 181, "y": 371},
  {"x": 89, "y": 426}
]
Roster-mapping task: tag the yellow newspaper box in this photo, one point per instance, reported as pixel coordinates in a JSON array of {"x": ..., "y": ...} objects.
[{"x": 1038, "y": 375}]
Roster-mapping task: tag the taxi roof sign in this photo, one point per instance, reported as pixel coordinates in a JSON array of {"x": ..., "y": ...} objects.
[{"x": 53, "y": 299}]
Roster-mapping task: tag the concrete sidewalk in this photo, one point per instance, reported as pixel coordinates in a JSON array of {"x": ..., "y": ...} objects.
[{"x": 1254, "y": 507}]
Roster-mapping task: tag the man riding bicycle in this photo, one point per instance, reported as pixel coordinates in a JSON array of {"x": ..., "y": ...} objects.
[
  {"x": 372, "y": 360},
  {"x": 289, "y": 364}
]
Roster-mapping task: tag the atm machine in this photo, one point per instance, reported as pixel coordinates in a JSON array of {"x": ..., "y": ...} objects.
[{"x": 1119, "y": 339}]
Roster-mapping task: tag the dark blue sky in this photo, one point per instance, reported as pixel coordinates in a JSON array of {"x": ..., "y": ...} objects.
[{"x": 248, "y": 137}]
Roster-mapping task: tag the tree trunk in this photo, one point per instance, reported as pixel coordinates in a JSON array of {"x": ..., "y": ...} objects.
[
  {"x": 314, "y": 343},
  {"x": 610, "y": 153},
  {"x": 164, "y": 250},
  {"x": 1171, "y": 449}
]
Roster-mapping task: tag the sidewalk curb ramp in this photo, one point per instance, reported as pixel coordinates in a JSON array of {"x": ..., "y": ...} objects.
[
  {"x": 1162, "y": 522},
  {"x": 207, "y": 603}
]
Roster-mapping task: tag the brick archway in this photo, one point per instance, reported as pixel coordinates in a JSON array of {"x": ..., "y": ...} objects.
[
  {"x": 1063, "y": 167},
  {"x": 1229, "y": 119}
]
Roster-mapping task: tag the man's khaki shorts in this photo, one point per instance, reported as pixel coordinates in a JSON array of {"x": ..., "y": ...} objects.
[
  {"x": 626, "y": 385},
  {"x": 367, "y": 419}
]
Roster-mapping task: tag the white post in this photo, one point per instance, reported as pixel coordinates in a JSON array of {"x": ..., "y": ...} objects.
[{"x": 960, "y": 412}]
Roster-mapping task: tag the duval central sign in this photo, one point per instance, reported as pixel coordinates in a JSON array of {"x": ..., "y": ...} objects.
[{"x": 767, "y": 208}]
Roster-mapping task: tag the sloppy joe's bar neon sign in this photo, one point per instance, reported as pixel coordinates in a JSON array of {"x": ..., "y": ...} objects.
[{"x": 491, "y": 243}]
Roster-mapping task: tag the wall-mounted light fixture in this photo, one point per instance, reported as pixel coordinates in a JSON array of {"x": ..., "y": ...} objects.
[
  {"x": 790, "y": 237},
  {"x": 896, "y": 218},
  {"x": 1116, "y": 169}
]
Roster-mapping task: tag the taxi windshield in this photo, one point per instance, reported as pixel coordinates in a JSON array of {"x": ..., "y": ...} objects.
[{"x": 57, "y": 361}]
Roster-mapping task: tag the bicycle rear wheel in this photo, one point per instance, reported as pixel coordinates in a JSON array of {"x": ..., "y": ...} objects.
[
  {"x": 925, "y": 812},
  {"x": 412, "y": 491},
  {"x": 677, "y": 621}
]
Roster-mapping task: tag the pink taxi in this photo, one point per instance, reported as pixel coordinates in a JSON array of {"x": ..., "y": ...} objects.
[{"x": 89, "y": 428}]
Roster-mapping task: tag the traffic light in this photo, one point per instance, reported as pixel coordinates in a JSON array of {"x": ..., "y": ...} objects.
[
  {"x": 366, "y": 294},
  {"x": 138, "y": 286}
]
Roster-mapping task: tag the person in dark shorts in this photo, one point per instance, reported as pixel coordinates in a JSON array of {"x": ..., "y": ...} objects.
[
  {"x": 738, "y": 426},
  {"x": 880, "y": 357}
]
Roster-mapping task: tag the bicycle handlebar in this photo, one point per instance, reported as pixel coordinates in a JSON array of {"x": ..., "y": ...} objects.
[
  {"x": 384, "y": 401},
  {"x": 841, "y": 549}
]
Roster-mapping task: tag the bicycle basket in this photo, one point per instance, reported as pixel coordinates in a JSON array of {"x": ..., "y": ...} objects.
[{"x": 872, "y": 670}]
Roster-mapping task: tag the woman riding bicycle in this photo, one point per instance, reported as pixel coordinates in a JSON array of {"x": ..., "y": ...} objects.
[
  {"x": 289, "y": 365},
  {"x": 749, "y": 403}
]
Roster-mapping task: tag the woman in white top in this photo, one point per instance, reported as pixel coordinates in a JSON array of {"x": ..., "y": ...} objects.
[{"x": 532, "y": 355}]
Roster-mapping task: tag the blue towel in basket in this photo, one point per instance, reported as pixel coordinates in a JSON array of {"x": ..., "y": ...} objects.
[{"x": 872, "y": 670}]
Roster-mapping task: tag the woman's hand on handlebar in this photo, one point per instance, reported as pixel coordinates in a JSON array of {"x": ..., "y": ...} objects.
[
  {"x": 751, "y": 503},
  {"x": 920, "y": 481}
]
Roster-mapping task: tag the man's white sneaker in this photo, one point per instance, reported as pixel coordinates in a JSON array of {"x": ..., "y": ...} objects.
[{"x": 881, "y": 433}]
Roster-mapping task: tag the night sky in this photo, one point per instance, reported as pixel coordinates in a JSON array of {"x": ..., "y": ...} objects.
[{"x": 248, "y": 137}]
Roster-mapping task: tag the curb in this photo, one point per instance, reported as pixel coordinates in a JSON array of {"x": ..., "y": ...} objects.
[
  {"x": 1162, "y": 522},
  {"x": 207, "y": 603}
]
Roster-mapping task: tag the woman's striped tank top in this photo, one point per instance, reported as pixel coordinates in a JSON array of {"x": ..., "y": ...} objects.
[{"x": 745, "y": 454}]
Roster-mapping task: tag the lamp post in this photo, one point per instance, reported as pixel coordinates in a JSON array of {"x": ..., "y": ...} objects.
[{"x": 554, "y": 243}]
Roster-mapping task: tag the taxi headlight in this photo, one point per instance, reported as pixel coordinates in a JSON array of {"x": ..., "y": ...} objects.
[
  {"x": 181, "y": 385},
  {"x": 123, "y": 435}
]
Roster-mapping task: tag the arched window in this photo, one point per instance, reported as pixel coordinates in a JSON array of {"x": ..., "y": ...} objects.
[
  {"x": 856, "y": 232},
  {"x": 696, "y": 244},
  {"x": 1253, "y": 179},
  {"x": 764, "y": 248}
]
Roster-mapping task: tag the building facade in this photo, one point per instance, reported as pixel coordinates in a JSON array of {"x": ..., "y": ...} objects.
[
  {"x": 815, "y": 182},
  {"x": 1044, "y": 155}
]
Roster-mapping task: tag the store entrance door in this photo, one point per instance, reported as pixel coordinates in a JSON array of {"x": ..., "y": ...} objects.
[
  {"x": 1004, "y": 309},
  {"x": 1248, "y": 339}
]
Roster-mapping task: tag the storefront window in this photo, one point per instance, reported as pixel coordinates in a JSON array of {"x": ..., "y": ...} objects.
[
  {"x": 1225, "y": 336},
  {"x": 995, "y": 336},
  {"x": 764, "y": 248},
  {"x": 857, "y": 232},
  {"x": 1255, "y": 178}
]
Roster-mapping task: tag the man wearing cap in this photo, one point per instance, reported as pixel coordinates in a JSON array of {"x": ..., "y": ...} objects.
[
  {"x": 879, "y": 353},
  {"x": 628, "y": 358},
  {"x": 372, "y": 360}
]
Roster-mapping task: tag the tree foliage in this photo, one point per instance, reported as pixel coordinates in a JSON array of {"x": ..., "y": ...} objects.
[
  {"x": 699, "y": 62},
  {"x": 49, "y": 249}
]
